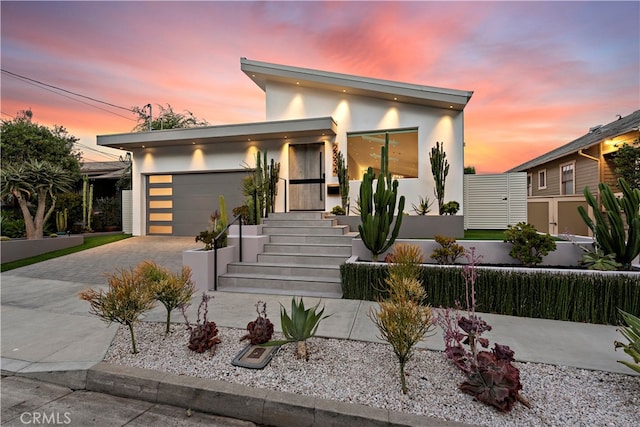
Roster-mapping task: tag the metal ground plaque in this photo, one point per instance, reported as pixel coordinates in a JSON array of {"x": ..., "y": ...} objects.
[{"x": 254, "y": 356}]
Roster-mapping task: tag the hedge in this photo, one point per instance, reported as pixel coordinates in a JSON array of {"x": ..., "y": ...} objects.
[{"x": 591, "y": 298}]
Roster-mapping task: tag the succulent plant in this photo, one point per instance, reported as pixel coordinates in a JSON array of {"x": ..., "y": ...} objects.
[
  {"x": 494, "y": 381},
  {"x": 204, "y": 336},
  {"x": 260, "y": 330}
]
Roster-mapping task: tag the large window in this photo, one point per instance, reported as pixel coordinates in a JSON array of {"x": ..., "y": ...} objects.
[
  {"x": 567, "y": 179},
  {"x": 363, "y": 150}
]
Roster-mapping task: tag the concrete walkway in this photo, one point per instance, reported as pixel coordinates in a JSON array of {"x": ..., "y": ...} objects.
[{"x": 47, "y": 332}]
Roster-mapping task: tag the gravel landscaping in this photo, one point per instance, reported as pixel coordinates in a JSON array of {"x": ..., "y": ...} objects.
[{"x": 367, "y": 373}]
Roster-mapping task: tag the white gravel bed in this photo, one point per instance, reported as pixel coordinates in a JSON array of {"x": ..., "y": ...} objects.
[{"x": 367, "y": 373}]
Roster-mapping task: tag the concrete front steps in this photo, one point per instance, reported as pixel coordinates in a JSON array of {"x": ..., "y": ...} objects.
[{"x": 302, "y": 258}]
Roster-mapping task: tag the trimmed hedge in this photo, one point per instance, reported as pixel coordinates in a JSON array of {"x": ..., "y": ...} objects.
[{"x": 591, "y": 298}]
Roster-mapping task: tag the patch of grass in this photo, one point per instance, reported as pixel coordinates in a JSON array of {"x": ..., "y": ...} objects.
[
  {"x": 89, "y": 242},
  {"x": 483, "y": 235}
]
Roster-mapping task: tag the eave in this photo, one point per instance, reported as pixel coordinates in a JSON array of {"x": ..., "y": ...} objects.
[
  {"x": 262, "y": 72},
  {"x": 291, "y": 130}
]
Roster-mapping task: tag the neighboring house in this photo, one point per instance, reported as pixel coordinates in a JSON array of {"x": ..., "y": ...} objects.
[
  {"x": 178, "y": 174},
  {"x": 104, "y": 176},
  {"x": 556, "y": 180}
]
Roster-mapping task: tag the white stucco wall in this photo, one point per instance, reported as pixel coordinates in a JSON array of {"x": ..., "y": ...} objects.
[{"x": 354, "y": 113}]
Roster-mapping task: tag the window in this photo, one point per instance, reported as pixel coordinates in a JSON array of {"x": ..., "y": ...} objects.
[
  {"x": 363, "y": 150},
  {"x": 567, "y": 179},
  {"x": 529, "y": 185},
  {"x": 542, "y": 179}
]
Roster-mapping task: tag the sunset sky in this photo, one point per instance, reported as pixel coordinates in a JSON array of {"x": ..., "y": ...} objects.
[{"x": 542, "y": 73}]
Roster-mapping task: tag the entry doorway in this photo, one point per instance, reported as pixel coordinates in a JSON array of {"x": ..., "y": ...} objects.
[{"x": 306, "y": 177}]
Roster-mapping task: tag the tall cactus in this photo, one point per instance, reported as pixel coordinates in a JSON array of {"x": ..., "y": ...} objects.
[
  {"x": 343, "y": 181},
  {"x": 377, "y": 209},
  {"x": 274, "y": 177},
  {"x": 609, "y": 232},
  {"x": 440, "y": 170}
]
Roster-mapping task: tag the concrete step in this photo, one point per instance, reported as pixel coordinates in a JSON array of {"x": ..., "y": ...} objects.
[
  {"x": 304, "y": 259},
  {"x": 338, "y": 230},
  {"x": 342, "y": 239},
  {"x": 263, "y": 269},
  {"x": 285, "y": 285},
  {"x": 306, "y": 248},
  {"x": 291, "y": 222},
  {"x": 296, "y": 215}
]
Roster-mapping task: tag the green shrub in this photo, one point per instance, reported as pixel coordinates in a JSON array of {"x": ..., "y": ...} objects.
[
  {"x": 338, "y": 210},
  {"x": 450, "y": 208},
  {"x": 591, "y": 298},
  {"x": 448, "y": 252},
  {"x": 529, "y": 246}
]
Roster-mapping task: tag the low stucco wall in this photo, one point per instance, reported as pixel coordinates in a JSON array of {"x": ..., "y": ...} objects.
[
  {"x": 418, "y": 226},
  {"x": 492, "y": 252},
  {"x": 13, "y": 250}
]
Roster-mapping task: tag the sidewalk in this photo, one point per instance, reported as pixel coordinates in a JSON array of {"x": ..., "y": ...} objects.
[{"x": 48, "y": 334}]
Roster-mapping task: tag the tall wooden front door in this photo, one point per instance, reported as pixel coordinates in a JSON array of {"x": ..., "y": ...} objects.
[{"x": 306, "y": 177}]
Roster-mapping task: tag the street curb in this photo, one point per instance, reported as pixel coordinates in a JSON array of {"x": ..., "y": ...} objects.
[{"x": 262, "y": 406}]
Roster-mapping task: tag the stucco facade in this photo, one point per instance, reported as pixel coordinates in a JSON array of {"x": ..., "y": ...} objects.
[{"x": 302, "y": 107}]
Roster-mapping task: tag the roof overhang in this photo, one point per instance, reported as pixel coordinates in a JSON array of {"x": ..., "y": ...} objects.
[
  {"x": 290, "y": 130},
  {"x": 262, "y": 72}
]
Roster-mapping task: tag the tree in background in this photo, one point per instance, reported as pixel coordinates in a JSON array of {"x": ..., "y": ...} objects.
[
  {"x": 627, "y": 161},
  {"x": 469, "y": 170},
  {"x": 21, "y": 140},
  {"x": 165, "y": 119},
  {"x": 38, "y": 164}
]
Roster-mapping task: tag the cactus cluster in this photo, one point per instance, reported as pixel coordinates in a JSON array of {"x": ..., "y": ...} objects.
[
  {"x": 61, "y": 220},
  {"x": 343, "y": 180},
  {"x": 377, "y": 209},
  {"x": 440, "y": 170},
  {"x": 260, "y": 330},
  {"x": 609, "y": 230}
]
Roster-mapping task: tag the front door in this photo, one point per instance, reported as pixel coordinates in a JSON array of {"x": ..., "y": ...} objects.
[{"x": 306, "y": 177}]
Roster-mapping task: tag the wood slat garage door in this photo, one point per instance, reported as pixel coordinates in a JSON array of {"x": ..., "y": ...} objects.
[{"x": 181, "y": 204}]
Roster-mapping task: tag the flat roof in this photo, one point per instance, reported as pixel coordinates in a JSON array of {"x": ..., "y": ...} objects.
[
  {"x": 243, "y": 132},
  {"x": 262, "y": 72}
]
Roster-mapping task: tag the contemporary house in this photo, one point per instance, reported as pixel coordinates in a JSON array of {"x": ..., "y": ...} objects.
[
  {"x": 311, "y": 115},
  {"x": 556, "y": 180}
]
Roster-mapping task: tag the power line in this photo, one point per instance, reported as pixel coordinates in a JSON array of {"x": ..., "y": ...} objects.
[
  {"x": 77, "y": 100},
  {"x": 98, "y": 151},
  {"x": 64, "y": 90},
  {"x": 2, "y": 112}
]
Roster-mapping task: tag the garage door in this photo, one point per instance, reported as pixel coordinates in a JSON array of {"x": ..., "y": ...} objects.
[{"x": 181, "y": 204}]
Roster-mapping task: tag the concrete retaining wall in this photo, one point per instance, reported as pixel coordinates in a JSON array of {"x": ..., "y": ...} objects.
[
  {"x": 418, "y": 226},
  {"x": 492, "y": 252},
  {"x": 13, "y": 250}
]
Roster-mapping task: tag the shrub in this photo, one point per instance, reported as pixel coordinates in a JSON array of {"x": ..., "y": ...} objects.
[
  {"x": 125, "y": 300},
  {"x": 203, "y": 336},
  {"x": 172, "y": 290},
  {"x": 448, "y": 252},
  {"x": 338, "y": 210},
  {"x": 300, "y": 326},
  {"x": 450, "y": 208},
  {"x": 260, "y": 330},
  {"x": 529, "y": 246},
  {"x": 402, "y": 319}
]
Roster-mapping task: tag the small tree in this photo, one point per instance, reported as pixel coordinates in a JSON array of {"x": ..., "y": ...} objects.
[
  {"x": 627, "y": 161},
  {"x": 529, "y": 246},
  {"x": 37, "y": 181},
  {"x": 166, "y": 119},
  {"x": 440, "y": 170},
  {"x": 126, "y": 299}
]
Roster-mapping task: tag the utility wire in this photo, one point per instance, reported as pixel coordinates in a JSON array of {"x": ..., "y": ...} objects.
[
  {"x": 67, "y": 91},
  {"x": 73, "y": 99}
]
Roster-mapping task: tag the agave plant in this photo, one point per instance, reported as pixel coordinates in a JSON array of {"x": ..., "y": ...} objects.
[
  {"x": 300, "y": 326},
  {"x": 632, "y": 333}
]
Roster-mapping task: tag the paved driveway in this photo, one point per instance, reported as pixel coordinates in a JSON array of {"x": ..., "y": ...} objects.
[{"x": 90, "y": 266}]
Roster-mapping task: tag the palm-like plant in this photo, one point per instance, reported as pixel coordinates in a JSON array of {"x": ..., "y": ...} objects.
[
  {"x": 632, "y": 333},
  {"x": 35, "y": 180},
  {"x": 300, "y": 326}
]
